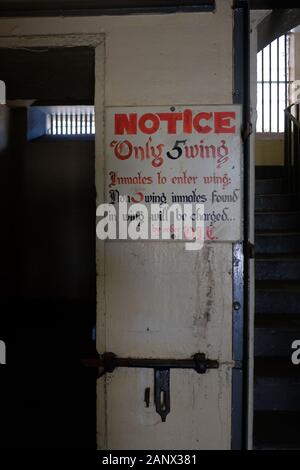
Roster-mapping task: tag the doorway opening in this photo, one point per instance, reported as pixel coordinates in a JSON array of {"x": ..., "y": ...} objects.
[
  {"x": 277, "y": 237},
  {"x": 48, "y": 298}
]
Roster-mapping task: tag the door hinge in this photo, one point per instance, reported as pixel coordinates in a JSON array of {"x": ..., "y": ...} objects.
[{"x": 247, "y": 131}]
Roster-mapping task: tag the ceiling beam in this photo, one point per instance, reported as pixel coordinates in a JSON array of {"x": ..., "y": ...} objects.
[
  {"x": 100, "y": 7},
  {"x": 277, "y": 23}
]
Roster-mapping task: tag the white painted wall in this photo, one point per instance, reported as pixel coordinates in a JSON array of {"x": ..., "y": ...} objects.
[{"x": 156, "y": 299}]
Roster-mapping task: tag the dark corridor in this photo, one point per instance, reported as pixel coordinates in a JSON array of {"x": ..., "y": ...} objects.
[{"x": 48, "y": 273}]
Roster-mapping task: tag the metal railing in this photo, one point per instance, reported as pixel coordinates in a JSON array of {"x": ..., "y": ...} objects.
[{"x": 292, "y": 148}]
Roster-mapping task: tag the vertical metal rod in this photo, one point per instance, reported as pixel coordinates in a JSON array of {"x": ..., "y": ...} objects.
[
  {"x": 297, "y": 156},
  {"x": 285, "y": 144},
  {"x": 242, "y": 401},
  {"x": 262, "y": 91},
  {"x": 277, "y": 43},
  {"x": 270, "y": 86},
  {"x": 52, "y": 124},
  {"x": 290, "y": 152},
  {"x": 285, "y": 71},
  {"x": 288, "y": 130},
  {"x": 288, "y": 148},
  {"x": 295, "y": 159}
]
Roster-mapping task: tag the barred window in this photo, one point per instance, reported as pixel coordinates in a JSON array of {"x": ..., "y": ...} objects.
[
  {"x": 71, "y": 121},
  {"x": 272, "y": 85}
]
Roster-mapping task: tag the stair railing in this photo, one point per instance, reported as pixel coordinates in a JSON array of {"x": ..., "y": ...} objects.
[{"x": 292, "y": 148}]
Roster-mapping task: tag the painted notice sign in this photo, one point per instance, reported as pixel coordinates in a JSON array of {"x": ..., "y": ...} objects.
[{"x": 185, "y": 155}]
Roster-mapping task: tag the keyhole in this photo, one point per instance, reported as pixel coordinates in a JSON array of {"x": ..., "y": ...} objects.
[{"x": 147, "y": 397}]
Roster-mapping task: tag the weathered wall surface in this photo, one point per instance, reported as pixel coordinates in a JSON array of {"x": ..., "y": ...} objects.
[
  {"x": 156, "y": 299},
  {"x": 269, "y": 151}
]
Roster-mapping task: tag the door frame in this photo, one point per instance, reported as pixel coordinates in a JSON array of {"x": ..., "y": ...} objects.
[
  {"x": 243, "y": 277},
  {"x": 97, "y": 42}
]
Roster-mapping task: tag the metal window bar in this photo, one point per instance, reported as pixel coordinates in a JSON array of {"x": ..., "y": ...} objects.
[
  {"x": 274, "y": 81},
  {"x": 286, "y": 69},
  {"x": 71, "y": 124},
  {"x": 263, "y": 90},
  {"x": 292, "y": 150},
  {"x": 277, "y": 52},
  {"x": 52, "y": 123},
  {"x": 270, "y": 87}
]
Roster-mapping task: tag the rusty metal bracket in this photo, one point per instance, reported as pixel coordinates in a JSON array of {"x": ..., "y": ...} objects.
[
  {"x": 247, "y": 131},
  {"x": 108, "y": 362}
]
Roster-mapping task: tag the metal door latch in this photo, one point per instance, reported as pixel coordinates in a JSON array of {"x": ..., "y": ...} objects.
[{"x": 108, "y": 362}]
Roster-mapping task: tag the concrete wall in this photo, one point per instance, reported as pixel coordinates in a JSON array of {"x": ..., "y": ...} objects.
[
  {"x": 154, "y": 298},
  {"x": 268, "y": 150}
]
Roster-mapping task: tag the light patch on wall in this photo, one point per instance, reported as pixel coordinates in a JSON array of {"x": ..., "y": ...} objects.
[
  {"x": 2, "y": 92},
  {"x": 269, "y": 151},
  {"x": 2, "y": 353}
]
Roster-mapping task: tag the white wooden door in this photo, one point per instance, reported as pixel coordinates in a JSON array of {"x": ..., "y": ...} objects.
[{"x": 156, "y": 299}]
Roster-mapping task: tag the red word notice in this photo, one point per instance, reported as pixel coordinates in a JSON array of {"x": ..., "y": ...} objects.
[{"x": 218, "y": 122}]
